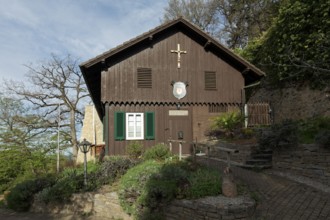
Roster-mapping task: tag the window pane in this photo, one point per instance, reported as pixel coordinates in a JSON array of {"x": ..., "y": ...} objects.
[{"x": 134, "y": 126}]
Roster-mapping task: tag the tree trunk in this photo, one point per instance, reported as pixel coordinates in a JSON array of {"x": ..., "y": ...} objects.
[{"x": 73, "y": 135}]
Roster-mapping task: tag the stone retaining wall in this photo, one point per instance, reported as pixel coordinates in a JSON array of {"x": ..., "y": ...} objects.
[
  {"x": 295, "y": 103},
  {"x": 106, "y": 206},
  {"x": 103, "y": 205},
  {"x": 212, "y": 208},
  {"x": 307, "y": 160}
]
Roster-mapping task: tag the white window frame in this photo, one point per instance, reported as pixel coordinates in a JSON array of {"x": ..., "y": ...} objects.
[{"x": 134, "y": 137}]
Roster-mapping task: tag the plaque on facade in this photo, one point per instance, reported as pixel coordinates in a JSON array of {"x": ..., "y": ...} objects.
[
  {"x": 179, "y": 90},
  {"x": 178, "y": 113}
]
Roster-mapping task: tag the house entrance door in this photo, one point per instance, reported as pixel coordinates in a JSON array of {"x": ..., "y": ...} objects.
[{"x": 180, "y": 128}]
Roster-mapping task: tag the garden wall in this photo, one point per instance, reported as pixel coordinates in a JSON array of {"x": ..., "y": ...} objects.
[
  {"x": 212, "y": 208},
  {"x": 106, "y": 205},
  {"x": 308, "y": 160},
  {"x": 295, "y": 103}
]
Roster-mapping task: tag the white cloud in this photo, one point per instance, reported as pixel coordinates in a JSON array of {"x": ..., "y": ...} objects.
[{"x": 32, "y": 30}]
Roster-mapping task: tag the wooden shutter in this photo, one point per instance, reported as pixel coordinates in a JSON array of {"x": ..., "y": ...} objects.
[
  {"x": 144, "y": 78},
  {"x": 119, "y": 125},
  {"x": 150, "y": 125},
  {"x": 210, "y": 81}
]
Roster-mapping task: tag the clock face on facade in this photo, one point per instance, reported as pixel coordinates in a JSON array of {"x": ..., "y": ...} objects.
[{"x": 179, "y": 90}]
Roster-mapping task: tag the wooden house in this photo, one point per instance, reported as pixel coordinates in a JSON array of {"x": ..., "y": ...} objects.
[{"x": 165, "y": 84}]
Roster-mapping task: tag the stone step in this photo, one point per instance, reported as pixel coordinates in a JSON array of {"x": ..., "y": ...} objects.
[
  {"x": 264, "y": 151},
  {"x": 259, "y": 167},
  {"x": 258, "y": 162},
  {"x": 261, "y": 156}
]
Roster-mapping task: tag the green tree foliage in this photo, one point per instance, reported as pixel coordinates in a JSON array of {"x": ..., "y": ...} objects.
[
  {"x": 25, "y": 149},
  {"x": 296, "y": 49}
]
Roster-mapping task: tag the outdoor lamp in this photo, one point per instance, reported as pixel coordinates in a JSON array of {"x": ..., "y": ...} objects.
[{"x": 84, "y": 148}]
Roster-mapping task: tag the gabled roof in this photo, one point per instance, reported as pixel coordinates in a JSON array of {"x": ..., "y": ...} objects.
[{"x": 92, "y": 68}]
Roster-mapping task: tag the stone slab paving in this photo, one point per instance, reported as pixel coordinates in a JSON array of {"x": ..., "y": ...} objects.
[{"x": 280, "y": 198}]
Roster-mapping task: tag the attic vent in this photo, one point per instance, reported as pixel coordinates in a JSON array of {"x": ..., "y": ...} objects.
[
  {"x": 210, "y": 81},
  {"x": 144, "y": 78}
]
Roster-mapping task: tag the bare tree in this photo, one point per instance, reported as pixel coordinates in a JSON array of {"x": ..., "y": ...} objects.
[
  {"x": 203, "y": 13},
  {"x": 55, "y": 84},
  {"x": 230, "y": 21}
]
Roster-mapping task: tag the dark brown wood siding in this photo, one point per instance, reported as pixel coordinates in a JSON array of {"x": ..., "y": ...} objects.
[
  {"x": 163, "y": 127},
  {"x": 119, "y": 82}
]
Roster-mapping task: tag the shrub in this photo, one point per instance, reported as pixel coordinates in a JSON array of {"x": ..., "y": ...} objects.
[
  {"x": 135, "y": 150},
  {"x": 148, "y": 187},
  {"x": 284, "y": 134},
  {"x": 203, "y": 182},
  {"x": 323, "y": 138},
  {"x": 113, "y": 168},
  {"x": 133, "y": 183},
  {"x": 70, "y": 182},
  {"x": 157, "y": 152},
  {"x": 227, "y": 123},
  {"x": 312, "y": 127},
  {"x": 21, "y": 196}
]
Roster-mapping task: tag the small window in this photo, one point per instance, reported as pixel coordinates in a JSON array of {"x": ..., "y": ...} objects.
[
  {"x": 134, "y": 126},
  {"x": 210, "y": 80},
  {"x": 144, "y": 78}
]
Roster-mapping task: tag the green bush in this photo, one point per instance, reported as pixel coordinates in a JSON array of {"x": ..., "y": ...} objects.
[
  {"x": 227, "y": 123},
  {"x": 133, "y": 183},
  {"x": 323, "y": 138},
  {"x": 135, "y": 150},
  {"x": 113, "y": 168},
  {"x": 70, "y": 182},
  {"x": 311, "y": 128},
  {"x": 204, "y": 182},
  {"x": 157, "y": 152},
  {"x": 284, "y": 134},
  {"x": 21, "y": 196},
  {"x": 148, "y": 187}
]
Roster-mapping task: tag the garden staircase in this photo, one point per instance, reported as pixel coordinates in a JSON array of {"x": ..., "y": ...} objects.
[{"x": 259, "y": 159}]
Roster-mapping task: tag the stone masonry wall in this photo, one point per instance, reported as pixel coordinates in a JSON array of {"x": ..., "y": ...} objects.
[
  {"x": 211, "y": 208},
  {"x": 307, "y": 160},
  {"x": 106, "y": 205},
  {"x": 295, "y": 103}
]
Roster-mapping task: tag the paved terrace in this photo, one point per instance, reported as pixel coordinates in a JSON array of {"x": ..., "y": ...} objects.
[{"x": 281, "y": 198}]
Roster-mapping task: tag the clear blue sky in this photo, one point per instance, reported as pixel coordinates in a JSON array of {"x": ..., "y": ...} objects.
[{"x": 30, "y": 30}]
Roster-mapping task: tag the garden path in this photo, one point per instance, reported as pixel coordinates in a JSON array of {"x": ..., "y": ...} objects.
[{"x": 281, "y": 198}]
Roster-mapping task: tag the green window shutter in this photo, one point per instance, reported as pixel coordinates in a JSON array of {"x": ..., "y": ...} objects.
[
  {"x": 119, "y": 125},
  {"x": 150, "y": 125}
]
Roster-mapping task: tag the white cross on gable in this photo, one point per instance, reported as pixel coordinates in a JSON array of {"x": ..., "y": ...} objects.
[{"x": 179, "y": 52}]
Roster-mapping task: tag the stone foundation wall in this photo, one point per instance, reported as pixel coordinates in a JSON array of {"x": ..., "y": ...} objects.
[
  {"x": 295, "y": 103},
  {"x": 307, "y": 160},
  {"x": 212, "y": 208}
]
